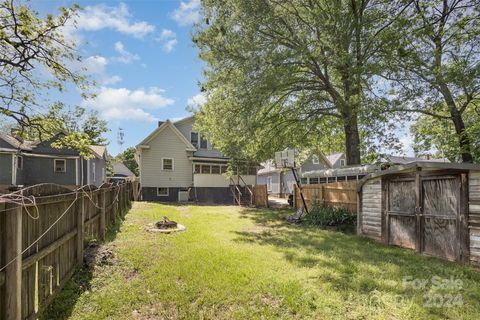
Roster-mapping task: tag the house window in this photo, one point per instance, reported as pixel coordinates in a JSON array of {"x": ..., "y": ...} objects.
[
  {"x": 269, "y": 183},
  {"x": 103, "y": 174},
  {"x": 162, "y": 192},
  {"x": 215, "y": 169},
  {"x": 197, "y": 168},
  {"x": 19, "y": 162},
  {"x": 313, "y": 181},
  {"x": 194, "y": 139},
  {"x": 252, "y": 171},
  {"x": 60, "y": 165},
  {"x": 167, "y": 164},
  {"x": 203, "y": 143},
  {"x": 223, "y": 169},
  {"x": 342, "y": 162},
  {"x": 304, "y": 180},
  {"x": 315, "y": 159},
  {"x": 94, "y": 174},
  {"x": 205, "y": 169}
]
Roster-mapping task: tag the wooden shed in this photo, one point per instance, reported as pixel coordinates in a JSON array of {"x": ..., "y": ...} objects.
[{"x": 433, "y": 208}]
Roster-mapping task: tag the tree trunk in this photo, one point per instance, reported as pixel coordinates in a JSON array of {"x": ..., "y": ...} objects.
[
  {"x": 352, "y": 139},
  {"x": 463, "y": 139}
]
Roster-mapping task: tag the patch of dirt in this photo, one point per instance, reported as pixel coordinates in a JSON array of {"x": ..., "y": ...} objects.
[
  {"x": 131, "y": 275},
  {"x": 98, "y": 255},
  {"x": 271, "y": 301},
  {"x": 157, "y": 311}
]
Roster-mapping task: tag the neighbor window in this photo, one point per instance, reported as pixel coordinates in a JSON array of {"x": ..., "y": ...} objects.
[
  {"x": 167, "y": 164},
  {"x": 194, "y": 139},
  {"x": 94, "y": 174},
  {"x": 215, "y": 169},
  {"x": 60, "y": 165},
  {"x": 223, "y": 169},
  {"x": 197, "y": 168},
  {"x": 162, "y": 192},
  {"x": 203, "y": 143},
  {"x": 342, "y": 162},
  {"x": 304, "y": 180},
  {"x": 19, "y": 162},
  {"x": 315, "y": 159},
  {"x": 313, "y": 181},
  {"x": 205, "y": 169},
  {"x": 269, "y": 183}
]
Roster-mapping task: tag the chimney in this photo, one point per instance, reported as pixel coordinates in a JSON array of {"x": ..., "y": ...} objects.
[{"x": 160, "y": 123}]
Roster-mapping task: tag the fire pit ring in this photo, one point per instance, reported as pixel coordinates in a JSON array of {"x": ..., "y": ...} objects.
[{"x": 165, "y": 226}]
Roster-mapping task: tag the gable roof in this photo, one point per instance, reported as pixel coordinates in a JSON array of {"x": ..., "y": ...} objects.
[
  {"x": 119, "y": 168},
  {"x": 99, "y": 151},
  {"x": 334, "y": 157},
  {"x": 163, "y": 126},
  {"x": 16, "y": 143}
]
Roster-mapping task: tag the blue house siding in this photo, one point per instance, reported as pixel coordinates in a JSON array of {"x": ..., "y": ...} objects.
[
  {"x": 5, "y": 168},
  {"x": 40, "y": 170}
]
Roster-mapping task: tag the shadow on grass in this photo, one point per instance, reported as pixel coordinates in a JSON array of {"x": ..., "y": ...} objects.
[
  {"x": 62, "y": 305},
  {"x": 353, "y": 264}
]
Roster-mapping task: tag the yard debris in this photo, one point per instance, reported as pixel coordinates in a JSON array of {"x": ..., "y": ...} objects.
[
  {"x": 296, "y": 217},
  {"x": 98, "y": 255}
]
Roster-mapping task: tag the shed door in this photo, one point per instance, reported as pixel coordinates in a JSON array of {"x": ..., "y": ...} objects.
[
  {"x": 440, "y": 215},
  {"x": 401, "y": 218}
]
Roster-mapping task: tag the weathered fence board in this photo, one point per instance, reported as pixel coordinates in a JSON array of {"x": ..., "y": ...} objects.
[
  {"x": 338, "y": 195},
  {"x": 41, "y": 244},
  {"x": 260, "y": 195}
]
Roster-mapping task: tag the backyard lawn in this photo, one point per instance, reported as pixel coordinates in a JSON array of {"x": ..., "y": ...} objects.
[{"x": 248, "y": 263}]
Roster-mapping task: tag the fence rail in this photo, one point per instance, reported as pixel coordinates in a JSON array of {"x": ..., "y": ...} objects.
[
  {"x": 339, "y": 194},
  {"x": 40, "y": 242}
]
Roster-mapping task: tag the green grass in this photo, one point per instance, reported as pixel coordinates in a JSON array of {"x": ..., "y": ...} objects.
[{"x": 248, "y": 263}]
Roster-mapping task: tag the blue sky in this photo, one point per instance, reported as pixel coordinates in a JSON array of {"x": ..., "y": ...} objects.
[{"x": 142, "y": 57}]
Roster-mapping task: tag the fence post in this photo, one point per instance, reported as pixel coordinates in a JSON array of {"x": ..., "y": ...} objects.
[
  {"x": 13, "y": 272},
  {"x": 103, "y": 193},
  {"x": 80, "y": 228}
]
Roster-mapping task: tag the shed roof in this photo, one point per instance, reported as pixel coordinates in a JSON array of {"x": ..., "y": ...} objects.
[{"x": 425, "y": 164}]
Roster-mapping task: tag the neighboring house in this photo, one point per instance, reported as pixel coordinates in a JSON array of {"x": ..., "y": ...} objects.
[
  {"x": 178, "y": 164},
  {"x": 121, "y": 171},
  {"x": 398, "y": 160},
  {"x": 24, "y": 163},
  {"x": 280, "y": 182}
]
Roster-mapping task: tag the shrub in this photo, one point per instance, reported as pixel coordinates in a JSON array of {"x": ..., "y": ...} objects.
[{"x": 329, "y": 217}]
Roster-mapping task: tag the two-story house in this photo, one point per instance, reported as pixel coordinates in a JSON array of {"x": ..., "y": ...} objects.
[
  {"x": 179, "y": 164},
  {"x": 280, "y": 181},
  {"x": 25, "y": 163}
]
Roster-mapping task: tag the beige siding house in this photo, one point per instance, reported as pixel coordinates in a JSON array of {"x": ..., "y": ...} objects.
[{"x": 178, "y": 164}]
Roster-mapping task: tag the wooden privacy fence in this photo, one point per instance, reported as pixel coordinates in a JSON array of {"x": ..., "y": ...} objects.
[
  {"x": 338, "y": 195},
  {"x": 43, "y": 233},
  {"x": 260, "y": 195}
]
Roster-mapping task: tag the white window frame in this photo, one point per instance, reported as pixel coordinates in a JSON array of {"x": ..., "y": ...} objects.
[
  {"x": 342, "y": 163},
  {"x": 315, "y": 159},
  {"x": 269, "y": 183},
  {"x": 94, "y": 175},
  {"x": 163, "y": 164},
  {"x": 163, "y": 194},
  {"x": 21, "y": 162},
  {"x": 55, "y": 165}
]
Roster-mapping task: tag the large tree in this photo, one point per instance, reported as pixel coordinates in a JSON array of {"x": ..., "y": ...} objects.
[
  {"x": 36, "y": 59},
  {"x": 437, "y": 64},
  {"x": 284, "y": 69}
]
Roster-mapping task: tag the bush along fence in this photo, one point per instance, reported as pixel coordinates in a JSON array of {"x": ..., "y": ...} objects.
[
  {"x": 43, "y": 232},
  {"x": 334, "y": 195}
]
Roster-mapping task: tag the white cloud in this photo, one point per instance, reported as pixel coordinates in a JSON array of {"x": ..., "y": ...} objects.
[
  {"x": 117, "y": 18},
  {"x": 168, "y": 39},
  {"x": 187, "y": 13},
  {"x": 95, "y": 68},
  {"x": 125, "y": 55},
  {"x": 197, "y": 101},
  {"x": 126, "y": 104}
]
